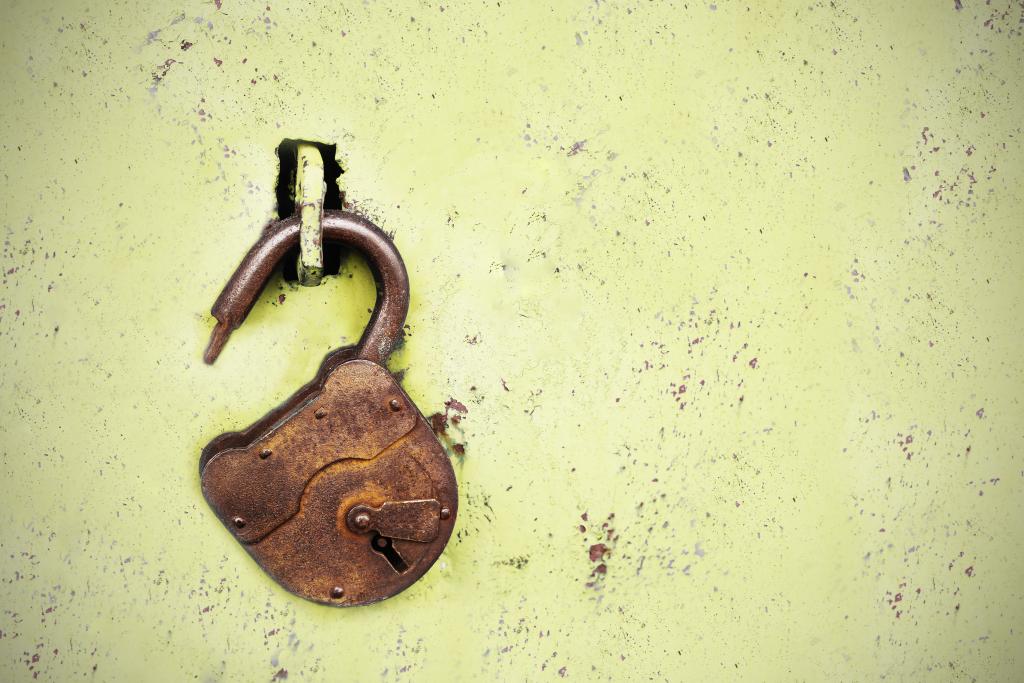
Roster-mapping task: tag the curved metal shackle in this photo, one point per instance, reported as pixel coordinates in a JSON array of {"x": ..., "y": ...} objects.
[{"x": 340, "y": 227}]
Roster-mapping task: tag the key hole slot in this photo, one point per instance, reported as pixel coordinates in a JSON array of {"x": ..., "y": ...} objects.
[{"x": 384, "y": 546}]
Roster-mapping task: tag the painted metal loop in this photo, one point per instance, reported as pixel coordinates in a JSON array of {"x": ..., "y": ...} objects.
[
  {"x": 383, "y": 330},
  {"x": 309, "y": 205}
]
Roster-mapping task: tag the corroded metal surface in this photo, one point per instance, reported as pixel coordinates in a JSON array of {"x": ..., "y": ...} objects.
[
  {"x": 411, "y": 520},
  {"x": 358, "y": 444},
  {"x": 284, "y": 486},
  {"x": 384, "y": 328},
  {"x": 349, "y": 418}
]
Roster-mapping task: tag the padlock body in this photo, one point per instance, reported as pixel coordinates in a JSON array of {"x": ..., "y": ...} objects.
[{"x": 288, "y": 488}]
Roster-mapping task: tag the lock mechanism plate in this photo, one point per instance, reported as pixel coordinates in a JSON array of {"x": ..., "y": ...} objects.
[
  {"x": 412, "y": 520},
  {"x": 346, "y": 498}
]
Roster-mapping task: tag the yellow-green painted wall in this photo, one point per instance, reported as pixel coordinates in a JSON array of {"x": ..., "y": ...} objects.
[{"x": 808, "y": 213}]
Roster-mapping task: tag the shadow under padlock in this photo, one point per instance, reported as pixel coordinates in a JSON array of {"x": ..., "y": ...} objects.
[{"x": 343, "y": 493}]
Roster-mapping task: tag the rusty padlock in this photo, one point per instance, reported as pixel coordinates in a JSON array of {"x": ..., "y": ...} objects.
[{"x": 343, "y": 494}]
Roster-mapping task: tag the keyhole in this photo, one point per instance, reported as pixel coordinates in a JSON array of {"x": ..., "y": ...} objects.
[{"x": 383, "y": 545}]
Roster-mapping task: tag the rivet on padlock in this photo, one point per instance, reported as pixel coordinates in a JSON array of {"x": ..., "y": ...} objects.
[{"x": 343, "y": 494}]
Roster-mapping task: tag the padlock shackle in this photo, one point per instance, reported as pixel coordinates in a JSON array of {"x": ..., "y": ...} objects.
[{"x": 339, "y": 227}]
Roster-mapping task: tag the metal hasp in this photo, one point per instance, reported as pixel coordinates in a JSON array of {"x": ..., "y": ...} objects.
[
  {"x": 309, "y": 205},
  {"x": 348, "y": 450}
]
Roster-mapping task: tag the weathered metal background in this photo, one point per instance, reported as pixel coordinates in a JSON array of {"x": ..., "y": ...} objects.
[{"x": 731, "y": 294}]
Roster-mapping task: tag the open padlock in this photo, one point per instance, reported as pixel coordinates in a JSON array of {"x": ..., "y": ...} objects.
[{"x": 343, "y": 493}]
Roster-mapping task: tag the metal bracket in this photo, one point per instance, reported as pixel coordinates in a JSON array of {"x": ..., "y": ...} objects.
[{"x": 309, "y": 205}]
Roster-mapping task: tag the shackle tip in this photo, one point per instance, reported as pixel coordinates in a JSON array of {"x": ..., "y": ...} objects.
[{"x": 218, "y": 339}]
